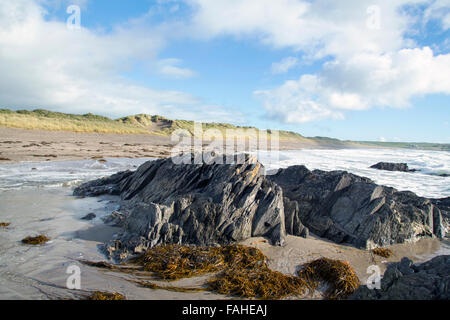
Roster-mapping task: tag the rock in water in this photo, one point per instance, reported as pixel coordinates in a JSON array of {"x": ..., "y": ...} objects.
[
  {"x": 89, "y": 217},
  {"x": 202, "y": 204},
  {"x": 403, "y": 167},
  {"x": 346, "y": 208},
  {"x": 406, "y": 281}
]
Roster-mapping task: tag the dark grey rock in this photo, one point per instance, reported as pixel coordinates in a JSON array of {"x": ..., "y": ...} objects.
[
  {"x": 405, "y": 281},
  {"x": 346, "y": 208},
  {"x": 388, "y": 166},
  {"x": 205, "y": 204},
  {"x": 90, "y": 216},
  {"x": 109, "y": 185}
]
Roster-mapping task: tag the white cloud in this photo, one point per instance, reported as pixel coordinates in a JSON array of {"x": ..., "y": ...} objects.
[
  {"x": 319, "y": 28},
  {"x": 168, "y": 67},
  {"x": 359, "y": 83},
  {"x": 44, "y": 64},
  {"x": 371, "y": 60},
  {"x": 293, "y": 102},
  {"x": 284, "y": 65}
]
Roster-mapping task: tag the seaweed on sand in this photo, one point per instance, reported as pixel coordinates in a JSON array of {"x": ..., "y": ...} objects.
[
  {"x": 154, "y": 286},
  {"x": 383, "y": 252},
  {"x": 341, "y": 278},
  {"x": 36, "y": 240},
  {"x": 258, "y": 282},
  {"x": 238, "y": 271},
  {"x": 173, "y": 262},
  {"x": 100, "y": 295},
  {"x": 248, "y": 275}
]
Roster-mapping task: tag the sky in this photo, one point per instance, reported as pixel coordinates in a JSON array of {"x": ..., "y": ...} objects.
[{"x": 352, "y": 70}]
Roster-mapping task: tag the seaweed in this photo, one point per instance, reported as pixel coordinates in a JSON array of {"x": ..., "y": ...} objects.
[
  {"x": 173, "y": 262},
  {"x": 4, "y": 224},
  {"x": 36, "y": 240},
  {"x": 341, "y": 278},
  {"x": 154, "y": 286},
  {"x": 383, "y": 252},
  {"x": 100, "y": 295},
  {"x": 237, "y": 271}
]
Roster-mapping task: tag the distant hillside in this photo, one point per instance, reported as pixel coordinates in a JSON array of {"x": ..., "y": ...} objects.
[
  {"x": 156, "y": 125},
  {"x": 409, "y": 145},
  {"x": 138, "y": 124}
]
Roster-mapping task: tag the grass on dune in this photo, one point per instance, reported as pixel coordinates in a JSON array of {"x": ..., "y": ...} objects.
[
  {"x": 137, "y": 124},
  {"x": 75, "y": 124}
]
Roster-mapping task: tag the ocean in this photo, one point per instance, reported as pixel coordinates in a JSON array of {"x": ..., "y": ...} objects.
[{"x": 426, "y": 182}]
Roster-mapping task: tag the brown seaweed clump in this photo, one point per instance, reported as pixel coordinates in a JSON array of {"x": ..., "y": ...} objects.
[
  {"x": 36, "y": 240},
  {"x": 4, "y": 224},
  {"x": 383, "y": 252},
  {"x": 243, "y": 270},
  {"x": 259, "y": 282},
  {"x": 341, "y": 278},
  {"x": 100, "y": 295},
  {"x": 173, "y": 262},
  {"x": 248, "y": 275}
]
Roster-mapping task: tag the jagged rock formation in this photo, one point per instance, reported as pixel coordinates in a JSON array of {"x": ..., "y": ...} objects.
[
  {"x": 346, "y": 208},
  {"x": 403, "y": 167},
  {"x": 207, "y": 204},
  {"x": 164, "y": 202},
  {"x": 406, "y": 281}
]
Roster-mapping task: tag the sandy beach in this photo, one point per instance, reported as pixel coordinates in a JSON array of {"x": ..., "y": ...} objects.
[
  {"x": 18, "y": 145},
  {"x": 37, "y": 145},
  {"x": 40, "y": 272}
]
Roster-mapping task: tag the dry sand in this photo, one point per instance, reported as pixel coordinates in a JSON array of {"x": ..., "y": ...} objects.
[{"x": 37, "y": 145}]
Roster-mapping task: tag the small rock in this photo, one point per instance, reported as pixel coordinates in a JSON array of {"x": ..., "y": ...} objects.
[
  {"x": 388, "y": 166},
  {"x": 90, "y": 216}
]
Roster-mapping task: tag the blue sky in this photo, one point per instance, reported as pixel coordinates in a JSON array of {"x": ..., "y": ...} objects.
[{"x": 359, "y": 70}]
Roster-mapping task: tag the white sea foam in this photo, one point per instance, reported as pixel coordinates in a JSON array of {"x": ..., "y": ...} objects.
[
  {"x": 425, "y": 182},
  {"x": 61, "y": 173}
]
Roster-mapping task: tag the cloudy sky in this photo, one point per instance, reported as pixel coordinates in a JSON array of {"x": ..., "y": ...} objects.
[{"x": 361, "y": 70}]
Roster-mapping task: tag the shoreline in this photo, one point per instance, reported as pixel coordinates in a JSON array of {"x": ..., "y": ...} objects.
[
  {"x": 22, "y": 145},
  {"x": 40, "y": 272}
]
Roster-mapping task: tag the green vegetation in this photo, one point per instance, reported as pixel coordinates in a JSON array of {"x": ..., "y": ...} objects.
[
  {"x": 235, "y": 270},
  {"x": 55, "y": 121},
  {"x": 409, "y": 145},
  {"x": 138, "y": 124}
]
